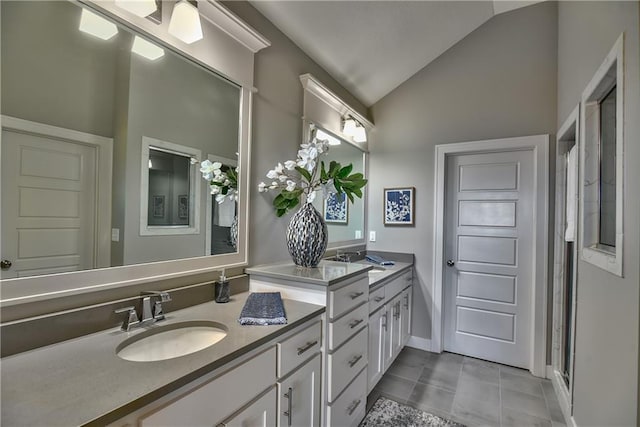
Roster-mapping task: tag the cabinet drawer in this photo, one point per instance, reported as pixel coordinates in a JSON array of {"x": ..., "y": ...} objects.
[
  {"x": 350, "y": 407},
  {"x": 220, "y": 397},
  {"x": 347, "y": 325},
  {"x": 346, "y": 362},
  {"x": 344, "y": 299},
  {"x": 398, "y": 284},
  {"x": 376, "y": 299},
  {"x": 298, "y": 348}
]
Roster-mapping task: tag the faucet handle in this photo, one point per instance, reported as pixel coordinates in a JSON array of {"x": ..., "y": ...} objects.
[
  {"x": 158, "y": 314},
  {"x": 131, "y": 319}
]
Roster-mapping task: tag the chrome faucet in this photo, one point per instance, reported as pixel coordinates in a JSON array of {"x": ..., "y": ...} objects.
[
  {"x": 344, "y": 256},
  {"x": 149, "y": 314}
]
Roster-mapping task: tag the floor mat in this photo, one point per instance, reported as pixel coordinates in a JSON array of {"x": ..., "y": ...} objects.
[{"x": 388, "y": 413}]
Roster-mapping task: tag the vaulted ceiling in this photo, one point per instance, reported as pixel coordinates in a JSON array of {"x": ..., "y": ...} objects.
[{"x": 371, "y": 47}]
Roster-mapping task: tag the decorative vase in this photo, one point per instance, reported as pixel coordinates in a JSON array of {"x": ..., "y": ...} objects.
[
  {"x": 307, "y": 236},
  {"x": 233, "y": 233}
]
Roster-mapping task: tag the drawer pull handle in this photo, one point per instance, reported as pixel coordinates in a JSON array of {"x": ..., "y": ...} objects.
[
  {"x": 288, "y": 413},
  {"x": 384, "y": 325},
  {"x": 356, "y": 295},
  {"x": 306, "y": 347},
  {"x": 355, "y": 323},
  {"x": 378, "y": 299},
  {"x": 353, "y": 362},
  {"x": 406, "y": 301},
  {"x": 353, "y": 407}
]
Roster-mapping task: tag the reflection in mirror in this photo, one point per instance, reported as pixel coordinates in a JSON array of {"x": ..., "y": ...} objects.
[
  {"x": 223, "y": 212},
  {"x": 345, "y": 220},
  {"x": 168, "y": 182},
  {"x": 76, "y": 104}
]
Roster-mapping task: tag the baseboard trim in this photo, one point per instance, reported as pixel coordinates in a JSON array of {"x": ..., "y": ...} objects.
[
  {"x": 419, "y": 343},
  {"x": 549, "y": 373},
  {"x": 564, "y": 399}
]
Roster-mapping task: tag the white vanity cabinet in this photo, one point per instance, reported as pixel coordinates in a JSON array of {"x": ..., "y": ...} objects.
[
  {"x": 389, "y": 324},
  {"x": 276, "y": 384},
  {"x": 344, "y": 290}
]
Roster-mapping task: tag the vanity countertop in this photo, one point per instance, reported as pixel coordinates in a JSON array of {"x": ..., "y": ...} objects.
[
  {"x": 326, "y": 273},
  {"x": 391, "y": 271},
  {"x": 83, "y": 381}
]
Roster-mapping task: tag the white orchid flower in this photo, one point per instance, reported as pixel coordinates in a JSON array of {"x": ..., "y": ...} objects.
[
  {"x": 279, "y": 169},
  {"x": 290, "y": 165},
  {"x": 274, "y": 185},
  {"x": 220, "y": 198},
  {"x": 291, "y": 185},
  {"x": 214, "y": 189},
  {"x": 193, "y": 160},
  {"x": 262, "y": 187},
  {"x": 283, "y": 178},
  {"x": 272, "y": 174}
]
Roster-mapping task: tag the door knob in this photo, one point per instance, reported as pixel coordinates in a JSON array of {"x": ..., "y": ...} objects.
[
  {"x": 5, "y": 264},
  {"x": 450, "y": 263}
]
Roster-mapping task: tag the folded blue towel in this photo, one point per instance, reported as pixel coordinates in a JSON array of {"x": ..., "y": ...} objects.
[
  {"x": 379, "y": 260},
  {"x": 263, "y": 309}
]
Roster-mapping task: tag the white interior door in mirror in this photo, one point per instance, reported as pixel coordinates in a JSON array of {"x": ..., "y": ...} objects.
[{"x": 49, "y": 198}]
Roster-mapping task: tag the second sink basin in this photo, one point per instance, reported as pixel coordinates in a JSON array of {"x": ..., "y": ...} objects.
[{"x": 171, "y": 341}]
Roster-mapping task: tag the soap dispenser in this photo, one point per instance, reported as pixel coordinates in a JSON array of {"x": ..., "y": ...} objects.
[{"x": 222, "y": 289}]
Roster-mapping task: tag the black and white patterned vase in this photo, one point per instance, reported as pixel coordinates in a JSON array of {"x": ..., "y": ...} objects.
[{"x": 307, "y": 236}]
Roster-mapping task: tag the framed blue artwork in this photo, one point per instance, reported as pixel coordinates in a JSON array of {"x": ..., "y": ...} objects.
[
  {"x": 336, "y": 209},
  {"x": 399, "y": 206}
]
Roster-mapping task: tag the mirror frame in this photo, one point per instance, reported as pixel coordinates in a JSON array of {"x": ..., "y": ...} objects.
[{"x": 229, "y": 35}]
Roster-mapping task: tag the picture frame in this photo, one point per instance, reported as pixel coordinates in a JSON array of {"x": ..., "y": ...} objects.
[
  {"x": 336, "y": 209},
  {"x": 399, "y": 206},
  {"x": 183, "y": 206},
  {"x": 158, "y": 206}
]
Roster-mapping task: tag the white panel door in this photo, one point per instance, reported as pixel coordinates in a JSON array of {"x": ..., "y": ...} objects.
[
  {"x": 299, "y": 396},
  {"x": 489, "y": 256},
  {"x": 48, "y": 205}
]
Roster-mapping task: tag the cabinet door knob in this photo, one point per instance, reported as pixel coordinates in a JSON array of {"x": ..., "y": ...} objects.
[
  {"x": 5, "y": 264},
  {"x": 450, "y": 263}
]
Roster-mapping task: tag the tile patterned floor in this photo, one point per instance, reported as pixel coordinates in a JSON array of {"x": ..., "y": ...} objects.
[{"x": 470, "y": 391}]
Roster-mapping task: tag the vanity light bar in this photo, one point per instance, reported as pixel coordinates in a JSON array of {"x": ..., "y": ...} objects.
[{"x": 96, "y": 25}]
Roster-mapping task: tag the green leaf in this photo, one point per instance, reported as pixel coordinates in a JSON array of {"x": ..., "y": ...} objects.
[
  {"x": 304, "y": 172},
  {"x": 334, "y": 167},
  {"x": 338, "y": 185},
  {"x": 345, "y": 171},
  {"x": 323, "y": 172},
  {"x": 280, "y": 212}
]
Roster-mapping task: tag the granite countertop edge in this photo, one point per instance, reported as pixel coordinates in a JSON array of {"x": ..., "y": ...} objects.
[
  {"x": 289, "y": 271},
  {"x": 84, "y": 382}
]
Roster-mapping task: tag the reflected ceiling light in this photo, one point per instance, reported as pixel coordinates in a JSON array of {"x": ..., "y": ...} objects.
[
  {"x": 150, "y": 164},
  {"x": 323, "y": 136},
  {"x": 96, "y": 25},
  {"x": 185, "y": 22},
  {"x": 360, "y": 135},
  {"x": 349, "y": 126},
  {"x": 146, "y": 49},
  {"x": 141, "y": 8}
]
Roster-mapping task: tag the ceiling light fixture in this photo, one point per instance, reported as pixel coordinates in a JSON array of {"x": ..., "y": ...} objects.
[
  {"x": 96, "y": 25},
  {"x": 349, "y": 126},
  {"x": 185, "y": 22},
  {"x": 141, "y": 8},
  {"x": 146, "y": 49}
]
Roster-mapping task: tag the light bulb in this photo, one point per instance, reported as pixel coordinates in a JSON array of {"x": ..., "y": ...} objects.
[{"x": 185, "y": 22}]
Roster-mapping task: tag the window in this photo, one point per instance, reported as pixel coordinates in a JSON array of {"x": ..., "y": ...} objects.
[
  {"x": 169, "y": 202},
  {"x": 601, "y": 175}
]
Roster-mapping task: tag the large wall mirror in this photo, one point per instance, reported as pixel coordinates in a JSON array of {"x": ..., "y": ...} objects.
[
  {"x": 103, "y": 131},
  {"x": 345, "y": 220}
]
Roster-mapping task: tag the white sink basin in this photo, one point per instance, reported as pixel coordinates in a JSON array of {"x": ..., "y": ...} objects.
[{"x": 170, "y": 341}]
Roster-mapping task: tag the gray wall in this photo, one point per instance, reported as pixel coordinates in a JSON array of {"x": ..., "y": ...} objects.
[
  {"x": 606, "y": 364},
  {"x": 500, "y": 81},
  {"x": 276, "y": 126}
]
